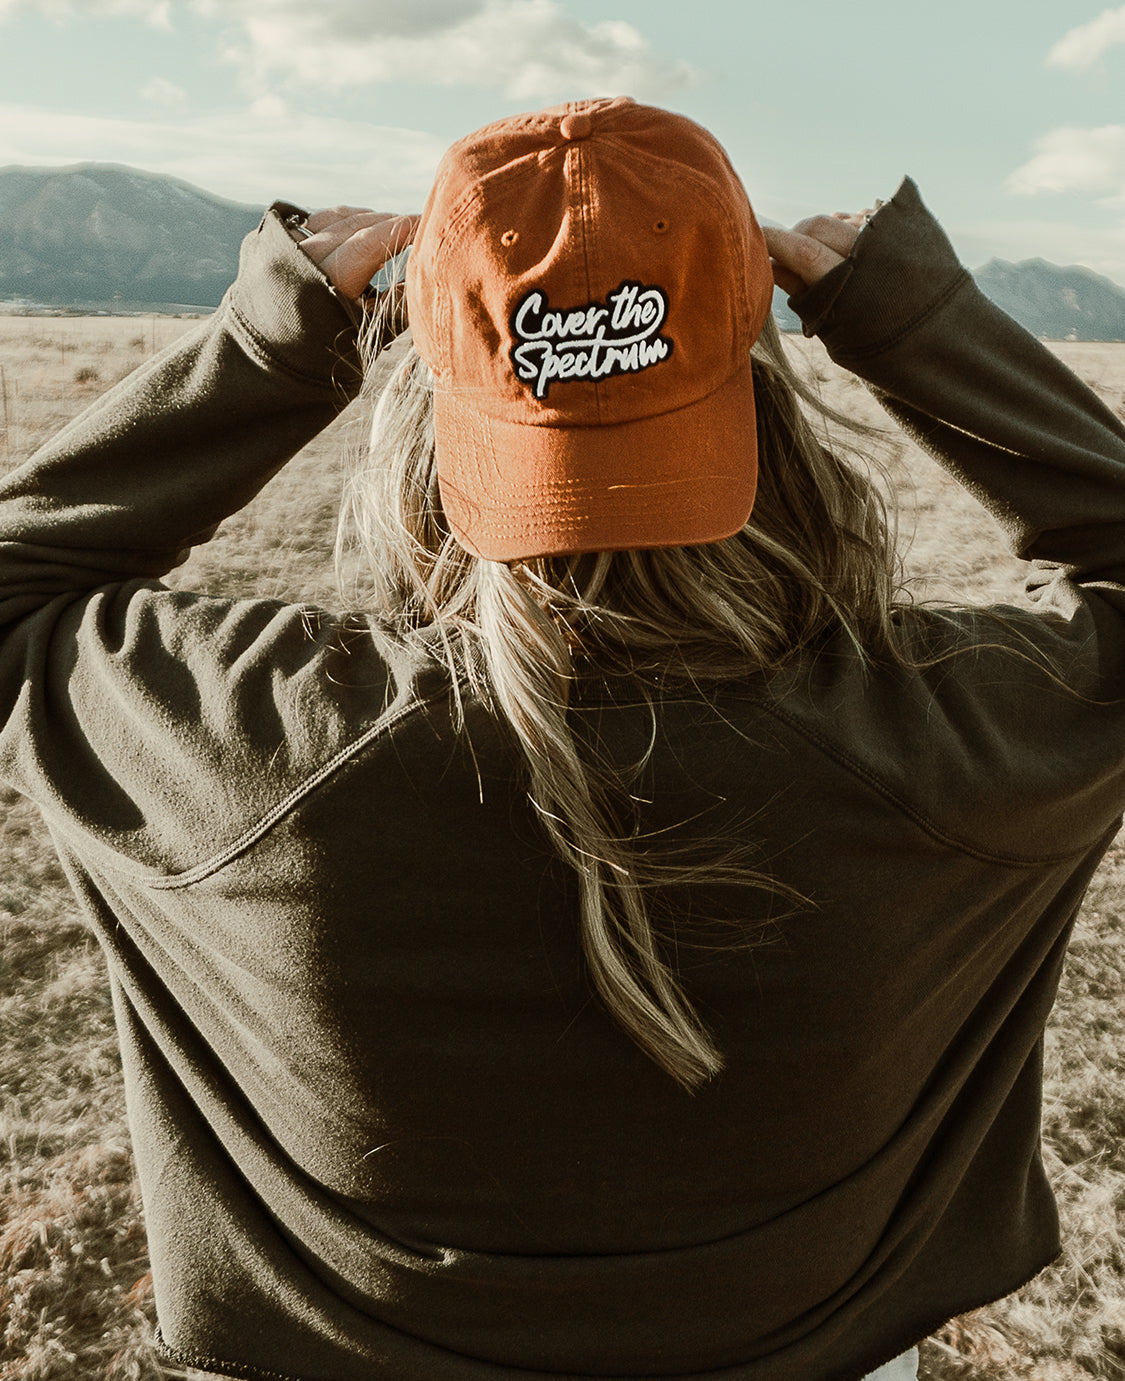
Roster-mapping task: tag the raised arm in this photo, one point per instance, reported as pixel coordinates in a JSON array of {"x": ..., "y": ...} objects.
[
  {"x": 155, "y": 464},
  {"x": 1037, "y": 448}
]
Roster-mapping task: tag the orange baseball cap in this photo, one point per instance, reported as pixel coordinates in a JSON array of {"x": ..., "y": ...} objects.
[{"x": 586, "y": 284}]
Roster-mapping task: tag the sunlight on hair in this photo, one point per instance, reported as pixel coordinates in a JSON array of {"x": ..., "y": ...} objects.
[{"x": 817, "y": 560}]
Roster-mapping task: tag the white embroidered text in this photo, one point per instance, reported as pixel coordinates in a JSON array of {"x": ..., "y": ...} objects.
[{"x": 618, "y": 336}]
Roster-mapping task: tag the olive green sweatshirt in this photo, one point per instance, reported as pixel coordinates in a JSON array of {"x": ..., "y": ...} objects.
[{"x": 382, "y": 1126}]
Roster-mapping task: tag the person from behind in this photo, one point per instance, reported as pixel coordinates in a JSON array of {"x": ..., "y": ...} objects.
[{"x": 619, "y": 944}]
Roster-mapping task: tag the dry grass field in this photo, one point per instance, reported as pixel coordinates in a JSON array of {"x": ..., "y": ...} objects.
[{"x": 75, "y": 1299}]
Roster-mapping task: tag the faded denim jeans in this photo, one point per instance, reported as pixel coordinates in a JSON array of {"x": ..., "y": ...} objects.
[{"x": 903, "y": 1368}]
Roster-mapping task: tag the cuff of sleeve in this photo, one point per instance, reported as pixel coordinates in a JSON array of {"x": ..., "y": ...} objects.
[
  {"x": 291, "y": 310},
  {"x": 901, "y": 266}
]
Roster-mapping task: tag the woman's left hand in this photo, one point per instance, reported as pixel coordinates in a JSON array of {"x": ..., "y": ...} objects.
[
  {"x": 351, "y": 245},
  {"x": 802, "y": 256}
]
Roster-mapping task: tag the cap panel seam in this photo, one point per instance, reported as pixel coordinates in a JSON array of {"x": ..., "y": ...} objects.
[
  {"x": 702, "y": 183},
  {"x": 589, "y": 241},
  {"x": 498, "y": 177}
]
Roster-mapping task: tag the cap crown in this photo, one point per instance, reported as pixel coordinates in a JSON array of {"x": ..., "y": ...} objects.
[{"x": 588, "y": 265}]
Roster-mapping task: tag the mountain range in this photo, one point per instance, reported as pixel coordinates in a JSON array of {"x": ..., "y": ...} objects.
[
  {"x": 98, "y": 233},
  {"x": 1051, "y": 302},
  {"x": 1063, "y": 303},
  {"x": 104, "y": 237}
]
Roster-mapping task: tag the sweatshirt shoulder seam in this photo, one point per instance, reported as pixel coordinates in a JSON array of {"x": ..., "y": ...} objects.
[
  {"x": 877, "y": 784},
  {"x": 159, "y": 881}
]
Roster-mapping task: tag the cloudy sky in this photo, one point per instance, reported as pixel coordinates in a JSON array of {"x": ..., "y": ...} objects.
[{"x": 1009, "y": 113}]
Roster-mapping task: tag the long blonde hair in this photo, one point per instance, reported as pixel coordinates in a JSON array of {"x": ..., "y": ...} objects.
[{"x": 816, "y": 557}]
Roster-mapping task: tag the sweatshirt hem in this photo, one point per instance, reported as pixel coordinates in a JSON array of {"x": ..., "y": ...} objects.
[
  {"x": 240, "y": 1371},
  {"x": 940, "y": 1320},
  {"x": 245, "y": 1371}
]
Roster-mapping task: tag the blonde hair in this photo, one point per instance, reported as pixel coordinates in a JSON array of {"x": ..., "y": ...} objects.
[{"x": 817, "y": 557}]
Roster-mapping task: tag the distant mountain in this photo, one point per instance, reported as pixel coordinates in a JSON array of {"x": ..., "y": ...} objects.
[
  {"x": 783, "y": 314},
  {"x": 97, "y": 231},
  {"x": 1051, "y": 302},
  {"x": 1056, "y": 303}
]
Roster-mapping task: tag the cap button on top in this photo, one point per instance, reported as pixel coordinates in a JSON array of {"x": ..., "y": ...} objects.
[{"x": 576, "y": 126}]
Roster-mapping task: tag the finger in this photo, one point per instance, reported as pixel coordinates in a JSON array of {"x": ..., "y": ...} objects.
[
  {"x": 837, "y": 233},
  {"x": 325, "y": 216},
  {"x": 786, "y": 279},
  {"x": 329, "y": 234},
  {"x": 354, "y": 262},
  {"x": 798, "y": 259}
]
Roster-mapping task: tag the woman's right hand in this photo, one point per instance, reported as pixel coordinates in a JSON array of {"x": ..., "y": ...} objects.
[{"x": 351, "y": 245}]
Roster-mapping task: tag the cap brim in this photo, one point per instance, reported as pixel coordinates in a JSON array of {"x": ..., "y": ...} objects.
[{"x": 511, "y": 490}]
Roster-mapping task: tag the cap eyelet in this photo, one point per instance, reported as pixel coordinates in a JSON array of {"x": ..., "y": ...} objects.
[
  {"x": 509, "y": 238},
  {"x": 661, "y": 227}
]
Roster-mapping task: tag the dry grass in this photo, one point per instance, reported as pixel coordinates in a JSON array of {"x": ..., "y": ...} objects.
[{"x": 75, "y": 1301}]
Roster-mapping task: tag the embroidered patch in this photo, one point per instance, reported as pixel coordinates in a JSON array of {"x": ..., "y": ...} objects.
[{"x": 618, "y": 336}]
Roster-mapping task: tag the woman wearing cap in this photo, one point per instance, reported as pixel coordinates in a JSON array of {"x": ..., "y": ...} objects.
[{"x": 623, "y": 949}]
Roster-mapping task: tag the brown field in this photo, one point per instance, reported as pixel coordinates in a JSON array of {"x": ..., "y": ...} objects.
[{"x": 75, "y": 1300}]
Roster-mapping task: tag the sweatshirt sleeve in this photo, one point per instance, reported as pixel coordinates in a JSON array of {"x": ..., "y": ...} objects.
[
  {"x": 153, "y": 466},
  {"x": 158, "y": 724},
  {"x": 991, "y": 403}
]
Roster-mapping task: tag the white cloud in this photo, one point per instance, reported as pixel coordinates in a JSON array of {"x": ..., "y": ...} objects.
[
  {"x": 1083, "y": 46},
  {"x": 1079, "y": 161},
  {"x": 1075, "y": 160},
  {"x": 356, "y": 18},
  {"x": 531, "y": 50},
  {"x": 248, "y": 156},
  {"x": 155, "y": 12},
  {"x": 163, "y": 92},
  {"x": 1059, "y": 242}
]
